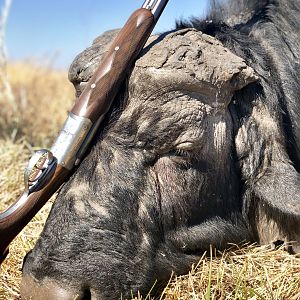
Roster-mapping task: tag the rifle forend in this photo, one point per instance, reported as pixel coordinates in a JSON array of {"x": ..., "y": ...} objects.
[{"x": 48, "y": 170}]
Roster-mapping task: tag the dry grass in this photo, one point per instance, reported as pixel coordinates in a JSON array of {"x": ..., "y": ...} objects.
[
  {"x": 240, "y": 273},
  {"x": 247, "y": 273},
  {"x": 41, "y": 98}
]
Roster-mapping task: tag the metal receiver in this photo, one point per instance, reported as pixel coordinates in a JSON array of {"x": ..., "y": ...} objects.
[{"x": 155, "y": 6}]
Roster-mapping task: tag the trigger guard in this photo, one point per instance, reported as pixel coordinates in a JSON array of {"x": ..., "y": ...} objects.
[{"x": 43, "y": 171}]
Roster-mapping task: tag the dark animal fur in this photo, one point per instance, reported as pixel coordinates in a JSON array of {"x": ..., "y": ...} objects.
[
  {"x": 110, "y": 255},
  {"x": 269, "y": 42}
]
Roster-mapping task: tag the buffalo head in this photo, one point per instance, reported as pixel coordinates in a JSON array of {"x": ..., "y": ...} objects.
[{"x": 190, "y": 155}]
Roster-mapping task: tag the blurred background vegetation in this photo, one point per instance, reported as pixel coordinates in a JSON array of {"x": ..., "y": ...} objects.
[
  {"x": 33, "y": 96},
  {"x": 37, "y": 105}
]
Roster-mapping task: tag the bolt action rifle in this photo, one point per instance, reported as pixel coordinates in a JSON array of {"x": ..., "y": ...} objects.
[{"x": 48, "y": 170}]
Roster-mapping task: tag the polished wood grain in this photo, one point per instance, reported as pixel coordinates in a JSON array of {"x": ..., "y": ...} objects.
[{"x": 102, "y": 88}]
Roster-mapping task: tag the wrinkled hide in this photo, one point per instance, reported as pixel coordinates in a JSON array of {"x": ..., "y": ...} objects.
[
  {"x": 200, "y": 148},
  {"x": 267, "y": 115}
]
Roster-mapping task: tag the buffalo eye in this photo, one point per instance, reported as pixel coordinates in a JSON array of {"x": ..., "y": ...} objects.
[{"x": 182, "y": 153}]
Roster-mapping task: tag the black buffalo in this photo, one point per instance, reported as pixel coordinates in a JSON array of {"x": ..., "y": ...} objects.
[{"x": 201, "y": 147}]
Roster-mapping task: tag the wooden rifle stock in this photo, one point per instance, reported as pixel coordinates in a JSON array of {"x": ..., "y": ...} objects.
[
  {"x": 91, "y": 106},
  {"x": 104, "y": 85}
]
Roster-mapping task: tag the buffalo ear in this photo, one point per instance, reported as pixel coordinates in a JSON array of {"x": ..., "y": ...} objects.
[
  {"x": 85, "y": 63},
  {"x": 271, "y": 197}
]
